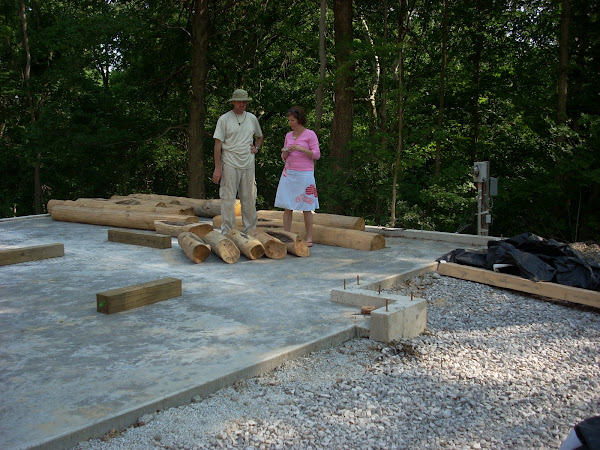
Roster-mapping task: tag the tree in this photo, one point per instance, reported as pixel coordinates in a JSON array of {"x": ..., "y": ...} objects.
[
  {"x": 343, "y": 109},
  {"x": 196, "y": 128}
]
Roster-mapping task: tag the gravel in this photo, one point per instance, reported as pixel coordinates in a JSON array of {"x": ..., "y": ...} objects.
[{"x": 494, "y": 369}]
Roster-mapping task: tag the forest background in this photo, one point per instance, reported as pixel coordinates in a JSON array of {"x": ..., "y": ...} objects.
[{"x": 111, "y": 97}]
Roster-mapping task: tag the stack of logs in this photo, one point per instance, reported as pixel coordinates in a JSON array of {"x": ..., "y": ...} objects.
[{"x": 178, "y": 217}]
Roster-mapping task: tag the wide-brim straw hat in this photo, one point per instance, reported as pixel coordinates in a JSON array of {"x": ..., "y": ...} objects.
[{"x": 239, "y": 95}]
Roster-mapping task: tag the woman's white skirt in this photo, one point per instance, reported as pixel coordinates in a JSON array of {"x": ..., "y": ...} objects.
[{"x": 297, "y": 191}]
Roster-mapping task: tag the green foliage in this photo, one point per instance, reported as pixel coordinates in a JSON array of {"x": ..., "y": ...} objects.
[{"x": 110, "y": 85}]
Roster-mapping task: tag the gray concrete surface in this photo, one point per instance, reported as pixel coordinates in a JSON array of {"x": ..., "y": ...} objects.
[{"x": 68, "y": 373}]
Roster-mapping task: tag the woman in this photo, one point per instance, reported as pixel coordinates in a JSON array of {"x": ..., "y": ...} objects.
[{"x": 297, "y": 190}]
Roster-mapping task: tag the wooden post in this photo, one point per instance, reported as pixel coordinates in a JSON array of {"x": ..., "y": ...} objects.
[
  {"x": 31, "y": 253},
  {"x": 274, "y": 248},
  {"x": 251, "y": 248},
  {"x": 195, "y": 248},
  {"x": 139, "y": 238},
  {"x": 222, "y": 247},
  {"x": 173, "y": 228},
  {"x": 122, "y": 299}
]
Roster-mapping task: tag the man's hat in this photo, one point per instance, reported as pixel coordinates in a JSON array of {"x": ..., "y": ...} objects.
[{"x": 240, "y": 95}]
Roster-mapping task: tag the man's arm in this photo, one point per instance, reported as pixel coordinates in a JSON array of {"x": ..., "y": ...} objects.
[
  {"x": 216, "y": 178},
  {"x": 257, "y": 144}
]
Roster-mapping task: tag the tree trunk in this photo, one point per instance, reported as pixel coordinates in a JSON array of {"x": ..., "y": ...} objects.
[
  {"x": 438, "y": 142},
  {"x": 195, "y": 248},
  {"x": 196, "y": 130},
  {"x": 402, "y": 31},
  {"x": 343, "y": 108},
  {"x": 250, "y": 247},
  {"x": 293, "y": 243},
  {"x": 563, "y": 62},
  {"x": 339, "y": 237},
  {"x": 476, "y": 81},
  {"x": 114, "y": 218},
  {"x": 322, "y": 66},
  {"x": 327, "y": 220},
  {"x": 222, "y": 246},
  {"x": 26, "y": 73},
  {"x": 105, "y": 204},
  {"x": 175, "y": 228},
  {"x": 274, "y": 248},
  {"x": 202, "y": 207}
]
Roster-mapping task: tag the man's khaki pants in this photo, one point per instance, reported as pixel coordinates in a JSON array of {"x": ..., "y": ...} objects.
[{"x": 238, "y": 181}]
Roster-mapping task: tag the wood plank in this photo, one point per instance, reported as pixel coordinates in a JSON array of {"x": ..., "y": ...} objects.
[
  {"x": 129, "y": 297},
  {"x": 30, "y": 253},
  {"x": 139, "y": 238},
  {"x": 516, "y": 283}
]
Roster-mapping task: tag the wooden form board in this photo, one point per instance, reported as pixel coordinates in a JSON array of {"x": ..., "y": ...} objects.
[
  {"x": 31, "y": 253},
  {"x": 122, "y": 299},
  {"x": 514, "y": 282},
  {"x": 139, "y": 238}
]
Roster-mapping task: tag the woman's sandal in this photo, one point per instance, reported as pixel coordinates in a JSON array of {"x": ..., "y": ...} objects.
[{"x": 309, "y": 243}]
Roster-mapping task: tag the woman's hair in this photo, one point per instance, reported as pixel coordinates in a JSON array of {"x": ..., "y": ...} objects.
[{"x": 298, "y": 113}]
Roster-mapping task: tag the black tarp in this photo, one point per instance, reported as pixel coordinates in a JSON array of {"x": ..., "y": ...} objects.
[{"x": 534, "y": 258}]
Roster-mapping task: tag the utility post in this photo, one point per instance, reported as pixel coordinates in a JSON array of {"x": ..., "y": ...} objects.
[{"x": 481, "y": 177}]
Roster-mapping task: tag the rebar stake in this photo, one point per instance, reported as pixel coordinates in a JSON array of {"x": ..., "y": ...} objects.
[
  {"x": 357, "y": 279},
  {"x": 379, "y": 288},
  {"x": 386, "y": 305},
  {"x": 344, "y": 284},
  {"x": 411, "y": 296}
]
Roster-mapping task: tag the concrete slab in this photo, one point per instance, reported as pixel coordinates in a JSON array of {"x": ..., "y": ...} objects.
[{"x": 69, "y": 373}]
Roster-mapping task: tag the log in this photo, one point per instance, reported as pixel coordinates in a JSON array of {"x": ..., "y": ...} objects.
[
  {"x": 274, "y": 248},
  {"x": 323, "y": 219},
  {"x": 202, "y": 207},
  {"x": 222, "y": 247},
  {"x": 122, "y": 299},
  {"x": 339, "y": 237},
  {"x": 174, "y": 228},
  {"x": 195, "y": 248},
  {"x": 250, "y": 247},
  {"x": 31, "y": 253},
  {"x": 107, "y": 204},
  {"x": 294, "y": 244},
  {"x": 113, "y": 218},
  {"x": 140, "y": 238}
]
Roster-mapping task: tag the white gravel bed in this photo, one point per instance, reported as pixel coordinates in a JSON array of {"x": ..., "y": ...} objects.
[{"x": 493, "y": 370}]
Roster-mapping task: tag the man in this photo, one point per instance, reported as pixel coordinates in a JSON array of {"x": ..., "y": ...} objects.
[{"x": 234, "y": 161}]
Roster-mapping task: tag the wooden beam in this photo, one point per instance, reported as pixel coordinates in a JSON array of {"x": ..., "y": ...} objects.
[
  {"x": 516, "y": 283},
  {"x": 122, "y": 299},
  {"x": 139, "y": 238},
  {"x": 31, "y": 253}
]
